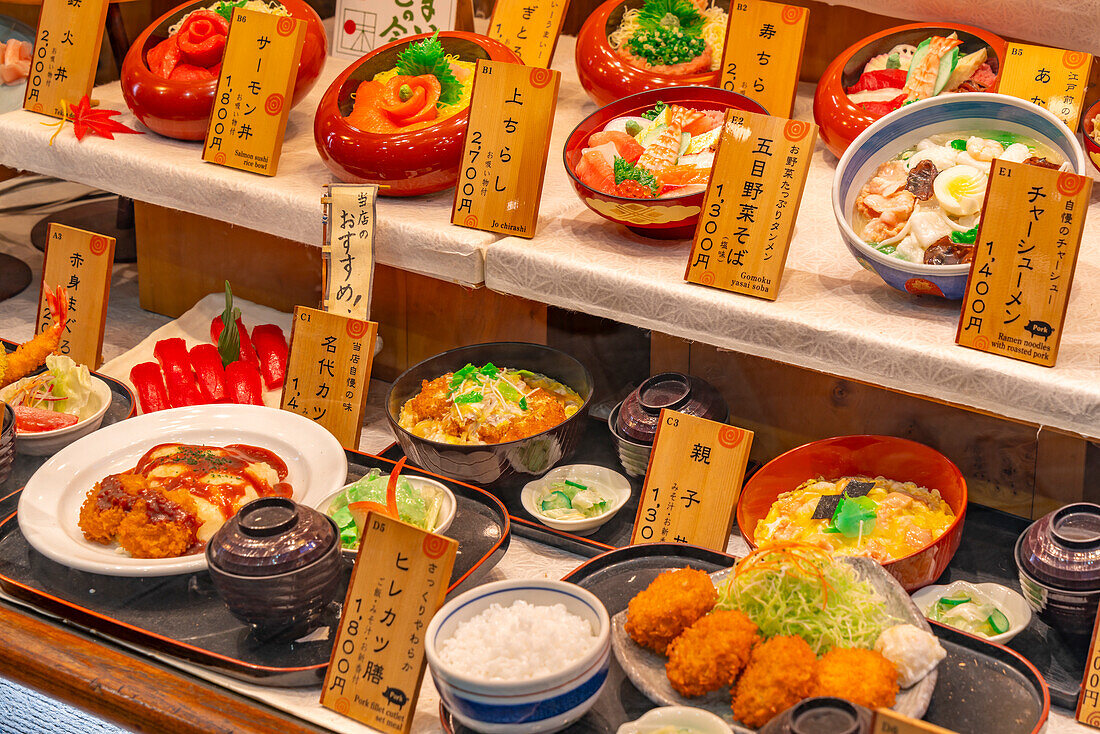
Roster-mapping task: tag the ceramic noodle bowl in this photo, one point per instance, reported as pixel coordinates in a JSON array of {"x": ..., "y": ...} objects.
[
  {"x": 420, "y": 161},
  {"x": 181, "y": 109},
  {"x": 606, "y": 76}
]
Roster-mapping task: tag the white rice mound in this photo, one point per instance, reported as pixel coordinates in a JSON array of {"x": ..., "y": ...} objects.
[{"x": 518, "y": 642}]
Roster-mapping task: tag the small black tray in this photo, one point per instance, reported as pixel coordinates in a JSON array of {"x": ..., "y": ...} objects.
[
  {"x": 982, "y": 687},
  {"x": 183, "y": 616}
]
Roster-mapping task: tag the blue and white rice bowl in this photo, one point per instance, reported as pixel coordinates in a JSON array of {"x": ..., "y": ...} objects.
[
  {"x": 546, "y": 703},
  {"x": 903, "y": 129}
]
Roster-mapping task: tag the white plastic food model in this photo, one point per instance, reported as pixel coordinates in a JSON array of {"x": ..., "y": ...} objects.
[
  {"x": 960, "y": 190},
  {"x": 913, "y": 652}
]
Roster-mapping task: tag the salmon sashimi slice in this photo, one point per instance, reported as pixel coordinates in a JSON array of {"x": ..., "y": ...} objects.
[
  {"x": 367, "y": 115},
  {"x": 596, "y": 172},
  {"x": 921, "y": 82},
  {"x": 626, "y": 147},
  {"x": 683, "y": 175},
  {"x": 665, "y": 150},
  {"x": 706, "y": 121}
]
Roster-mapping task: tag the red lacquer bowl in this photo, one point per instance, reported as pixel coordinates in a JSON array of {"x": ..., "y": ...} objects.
[
  {"x": 402, "y": 164},
  {"x": 1092, "y": 148},
  {"x": 886, "y": 456},
  {"x": 841, "y": 120},
  {"x": 606, "y": 76},
  {"x": 665, "y": 219},
  {"x": 181, "y": 110}
]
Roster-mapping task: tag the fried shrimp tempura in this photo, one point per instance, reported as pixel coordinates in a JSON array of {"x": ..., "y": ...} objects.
[
  {"x": 674, "y": 601},
  {"x": 710, "y": 653},
  {"x": 863, "y": 677},
  {"x": 781, "y": 672}
]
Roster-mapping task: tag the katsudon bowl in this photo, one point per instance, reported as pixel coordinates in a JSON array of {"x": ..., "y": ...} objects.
[{"x": 495, "y": 466}]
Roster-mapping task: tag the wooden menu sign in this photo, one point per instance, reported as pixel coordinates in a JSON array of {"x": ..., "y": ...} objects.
[
  {"x": 347, "y": 255},
  {"x": 507, "y": 139},
  {"x": 255, "y": 88},
  {"x": 891, "y": 722},
  {"x": 361, "y": 26},
  {"x": 399, "y": 581},
  {"x": 66, "y": 53},
  {"x": 328, "y": 371},
  {"x": 693, "y": 482},
  {"x": 1088, "y": 703},
  {"x": 763, "y": 52},
  {"x": 1016, "y": 296},
  {"x": 80, "y": 262},
  {"x": 1050, "y": 77},
  {"x": 529, "y": 28},
  {"x": 752, "y": 201}
]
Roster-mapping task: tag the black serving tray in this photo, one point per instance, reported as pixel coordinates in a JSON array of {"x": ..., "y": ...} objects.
[
  {"x": 182, "y": 615},
  {"x": 982, "y": 687}
]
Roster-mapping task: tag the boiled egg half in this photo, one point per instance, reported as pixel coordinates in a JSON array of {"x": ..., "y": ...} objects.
[{"x": 960, "y": 190}]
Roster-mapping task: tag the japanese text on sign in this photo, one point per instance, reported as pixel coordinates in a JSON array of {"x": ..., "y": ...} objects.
[
  {"x": 80, "y": 262},
  {"x": 529, "y": 28},
  {"x": 348, "y": 252},
  {"x": 255, "y": 90},
  {"x": 763, "y": 52},
  {"x": 1088, "y": 704},
  {"x": 752, "y": 201},
  {"x": 1050, "y": 77},
  {"x": 328, "y": 371},
  {"x": 1024, "y": 259},
  {"x": 693, "y": 482},
  {"x": 507, "y": 139},
  {"x": 364, "y": 25},
  {"x": 399, "y": 581},
  {"x": 66, "y": 52}
]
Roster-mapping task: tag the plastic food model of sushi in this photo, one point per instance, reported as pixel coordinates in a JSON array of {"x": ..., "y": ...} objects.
[
  {"x": 677, "y": 37},
  {"x": 666, "y": 151},
  {"x": 15, "y": 61},
  {"x": 907, "y": 73},
  {"x": 425, "y": 87},
  {"x": 924, "y": 206}
]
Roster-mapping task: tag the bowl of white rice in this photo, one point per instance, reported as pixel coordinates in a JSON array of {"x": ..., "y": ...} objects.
[{"x": 520, "y": 656}]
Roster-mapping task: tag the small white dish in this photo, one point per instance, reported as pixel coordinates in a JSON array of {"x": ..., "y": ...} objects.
[
  {"x": 43, "y": 443},
  {"x": 688, "y": 717},
  {"x": 446, "y": 511},
  {"x": 1008, "y": 601},
  {"x": 614, "y": 483}
]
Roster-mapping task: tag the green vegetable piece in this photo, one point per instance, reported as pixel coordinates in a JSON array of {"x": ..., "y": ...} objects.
[
  {"x": 965, "y": 238},
  {"x": 523, "y": 403},
  {"x": 574, "y": 484},
  {"x": 652, "y": 114},
  {"x": 626, "y": 171},
  {"x": 947, "y": 65},
  {"x": 469, "y": 397},
  {"x": 855, "y": 516},
  {"x": 489, "y": 370},
  {"x": 461, "y": 375},
  {"x": 225, "y": 9},
  {"x": 671, "y": 14},
  {"x": 998, "y": 621},
  {"x": 428, "y": 57},
  {"x": 633, "y": 127},
  {"x": 958, "y": 144},
  {"x": 557, "y": 501},
  {"x": 953, "y": 601},
  {"x": 509, "y": 391},
  {"x": 666, "y": 45},
  {"x": 229, "y": 343},
  {"x": 885, "y": 249},
  {"x": 893, "y": 61}
]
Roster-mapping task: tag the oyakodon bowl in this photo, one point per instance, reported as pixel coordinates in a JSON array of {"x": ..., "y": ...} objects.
[
  {"x": 842, "y": 120},
  {"x": 1091, "y": 121},
  {"x": 671, "y": 218},
  {"x": 894, "y": 458},
  {"x": 402, "y": 164},
  {"x": 903, "y": 129},
  {"x": 606, "y": 76},
  {"x": 181, "y": 109},
  {"x": 499, "y": 465},
  {"x": 545, "y": 703}
]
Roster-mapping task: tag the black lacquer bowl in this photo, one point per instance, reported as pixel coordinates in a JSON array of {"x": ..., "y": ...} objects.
[
  {"x": 7, "y": 440},
  {"x": 500, "y": 465}
]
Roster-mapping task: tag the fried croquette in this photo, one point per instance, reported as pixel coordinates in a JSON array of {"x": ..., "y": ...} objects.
[
  {"x": 864, "y": 677},
  {"x": 781, "y": 672},
  {"x": 711, "y": 653},
  {"x": 673, "y": 602},
  {"x": 107, "y": 504},
  {"x": 147, "y": 521}
]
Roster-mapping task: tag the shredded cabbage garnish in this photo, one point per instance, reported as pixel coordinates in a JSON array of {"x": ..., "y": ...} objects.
[{"x": 800, "y": 589}]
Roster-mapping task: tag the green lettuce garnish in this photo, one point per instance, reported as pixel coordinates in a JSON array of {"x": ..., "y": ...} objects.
[
  {"x": 671, "y": 14},
  {"x": 627, "y": 171},
  {"x": 225, "y": 9},
  {"x": 965, "y": 238},
  {"x": 428, "y": 57}
]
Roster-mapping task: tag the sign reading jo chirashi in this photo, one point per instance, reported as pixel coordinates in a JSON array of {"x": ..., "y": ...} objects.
[
  {"x": 693, "y": 482},
  {"x": 1024, "y": 258},
  {"x": 66, "y": 52},
  {"x": 1049, "y": 77},
  {"x": 752, "y": 201},
  {"x": 763, "y": 52}
]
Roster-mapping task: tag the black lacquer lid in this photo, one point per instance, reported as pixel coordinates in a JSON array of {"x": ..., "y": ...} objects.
[{"x": 270, "y": 536}]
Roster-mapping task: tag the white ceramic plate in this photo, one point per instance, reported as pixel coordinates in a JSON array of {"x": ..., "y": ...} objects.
[
  {"x": 1008, "y": 601},
  {"x": 49, "y": 508},
  {"x": 614, "y": 483},
  {"x": 48, "y": 442}
]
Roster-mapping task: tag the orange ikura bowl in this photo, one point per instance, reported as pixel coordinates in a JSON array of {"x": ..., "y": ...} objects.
[
  {"x": 887, "y": 456},
  {"x": 181, "y": 109},
  {"x": 606, "y": 76},
  {"x": 422, "y": 161},
  {"x": 841, "y": 120},
  {"x": 665, "y": 219},
  {"x": 1090, "y": 123}
]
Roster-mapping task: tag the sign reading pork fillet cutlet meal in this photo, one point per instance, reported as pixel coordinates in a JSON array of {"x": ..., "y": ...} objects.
[{"x": 177, "y": 497}]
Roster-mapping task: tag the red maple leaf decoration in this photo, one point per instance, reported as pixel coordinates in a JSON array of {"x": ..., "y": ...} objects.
[{"x": 86, "y": 120}]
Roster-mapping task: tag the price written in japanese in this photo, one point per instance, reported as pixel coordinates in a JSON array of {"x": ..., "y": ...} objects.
[
  {"x": 66, "y": 52},
  {"x": 693, "y": 482},
  {"x": 529, "y": 28},
  {"x": 255, "y": 90},
  {"x": 751, "y": 205},
  {"x": 81, "y": 262},
  {"x": 328, "y": 371},
  {"x": 348, "y": 252},
  {"x": 1024, "y": 258},
  {"x": 507, "y": 139},
  {"x": 1050, "y": 77},
  {"x": 399, "y": 581},
  {"x": 1088, "y": 704},
  {"x": 763, "y": 52},
  {"x": 890, "y": 722},
  {"x": 364, "y": 25}
]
